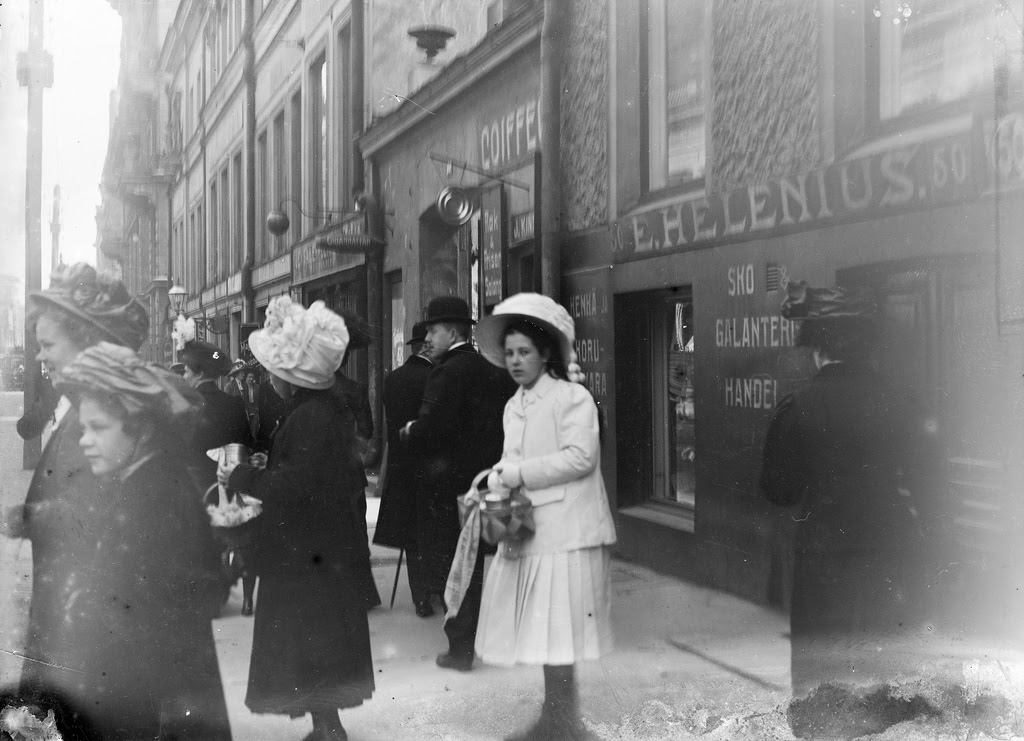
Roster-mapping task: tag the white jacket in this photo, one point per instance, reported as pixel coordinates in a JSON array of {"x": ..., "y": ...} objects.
[{"x": 551, "y": 433}]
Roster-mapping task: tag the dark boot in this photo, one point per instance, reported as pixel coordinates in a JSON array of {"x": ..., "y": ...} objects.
[
  {"x": 248, "y": 587},
  {"x": 559, "y": 715},
  {"x": 326, "y": 727}
]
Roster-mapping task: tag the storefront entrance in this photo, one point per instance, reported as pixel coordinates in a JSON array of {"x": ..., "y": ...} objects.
[
  {"x": 654, "y": 348},
  {"x": 940, "y": 342}
]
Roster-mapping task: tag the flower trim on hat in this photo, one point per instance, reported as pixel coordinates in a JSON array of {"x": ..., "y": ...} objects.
[
  {"x": 287, "y": 338},
  {"x": 184, "y": 331},
  {"x": 573, "y": 369},
  {"x": 100, "y": 299}
]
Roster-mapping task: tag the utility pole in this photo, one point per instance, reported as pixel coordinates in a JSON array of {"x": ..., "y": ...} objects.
[
  {"x": 35, "y": 72},
  {"x": 55, "y": 259},
  {"x": 249, "y": 75}
]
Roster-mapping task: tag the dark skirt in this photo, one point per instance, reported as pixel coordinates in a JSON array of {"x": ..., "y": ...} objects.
[
  {"x": 853, "y": 618},
  {"x": 311, "y": 644}
]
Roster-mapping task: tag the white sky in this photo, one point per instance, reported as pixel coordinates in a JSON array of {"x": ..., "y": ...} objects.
[{"x": 84, "y": 38}]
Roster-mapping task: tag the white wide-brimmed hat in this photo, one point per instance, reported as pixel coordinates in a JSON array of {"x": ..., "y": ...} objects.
[
  {"x": 302, "y": 346},
  {"x": 543, "y": 311}
]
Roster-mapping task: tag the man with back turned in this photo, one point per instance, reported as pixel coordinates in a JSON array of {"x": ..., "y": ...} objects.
[{"x": 457, "y": 434}]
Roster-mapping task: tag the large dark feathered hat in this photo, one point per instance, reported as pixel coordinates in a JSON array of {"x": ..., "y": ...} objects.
[
  {"x": 804, "y": 302},
  {"x": 850, "y": 311},
  {"x": 97, "y": 299}
]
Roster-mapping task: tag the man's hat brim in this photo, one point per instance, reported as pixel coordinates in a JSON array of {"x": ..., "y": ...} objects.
[{"x": 452, "y": 319}]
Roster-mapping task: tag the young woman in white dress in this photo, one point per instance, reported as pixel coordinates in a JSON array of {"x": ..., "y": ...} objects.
[{"x": 551, "y": 604}]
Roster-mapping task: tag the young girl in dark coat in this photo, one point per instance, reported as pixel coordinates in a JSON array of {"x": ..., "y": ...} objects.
[{"x": 139, "y": 609}]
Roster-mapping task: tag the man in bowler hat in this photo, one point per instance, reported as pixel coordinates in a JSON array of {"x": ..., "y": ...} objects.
[
  {"x": 396, "y": 522},
  {"x": 458, "y": 433}
]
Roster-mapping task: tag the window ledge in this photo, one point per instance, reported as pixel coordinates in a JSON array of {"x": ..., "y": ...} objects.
[{"x": 675, "y": 518}]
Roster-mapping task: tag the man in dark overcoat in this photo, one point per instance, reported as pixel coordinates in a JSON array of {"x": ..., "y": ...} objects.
[
  {"x": 355, "y": 401},
  {"x": 396, "y": 521},
  {"x": 458, "y": 433}
]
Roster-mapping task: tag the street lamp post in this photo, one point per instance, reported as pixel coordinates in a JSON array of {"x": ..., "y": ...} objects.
[{"x": 178, "y": 297}]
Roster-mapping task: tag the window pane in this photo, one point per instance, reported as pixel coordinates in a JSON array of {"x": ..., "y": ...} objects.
[
  {"x": 677, "y": 397},
  {"x": 938, "y": 51},
  {"x": 684, "y": 74},
  {"x": 398, "y": 345}
]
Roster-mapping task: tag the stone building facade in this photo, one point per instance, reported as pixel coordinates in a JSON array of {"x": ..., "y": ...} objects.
[{"x": 711, "y": 150}]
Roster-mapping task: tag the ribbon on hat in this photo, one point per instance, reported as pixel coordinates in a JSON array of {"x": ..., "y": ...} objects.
[{"x": 139, "y": 387}]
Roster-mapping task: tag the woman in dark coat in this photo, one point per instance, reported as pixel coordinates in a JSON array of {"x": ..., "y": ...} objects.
[
  {"x": 80, "y": 309},
  {"x": 222, "y": 420},
  {"x": 860, "y": 460},
  {"x": 311, "y": 639},
  {"x": 144, "y": 660}
]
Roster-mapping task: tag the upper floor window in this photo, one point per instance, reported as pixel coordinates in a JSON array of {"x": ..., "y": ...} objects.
[
  {"x": 676, "y": 86},
  {"x": 934, "y": 52},
  {"x": 318, "y": 164}
]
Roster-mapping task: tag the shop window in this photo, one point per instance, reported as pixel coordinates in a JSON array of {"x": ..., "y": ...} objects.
[
  {"x": 395, "y": 318},
  {"x": 654, "y": 371},
  {"x": 674, "y": 479},
  {"x": 935, "y": 52},
  {"x": 676, "y": 89},
  {"x": 521, "y": 268}
]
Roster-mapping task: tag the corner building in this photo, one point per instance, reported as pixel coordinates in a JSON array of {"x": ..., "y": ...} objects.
[{"x": 712, "y": 150}]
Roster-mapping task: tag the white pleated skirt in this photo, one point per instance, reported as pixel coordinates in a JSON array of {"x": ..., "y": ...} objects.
[{"x": 551, "y": 608}]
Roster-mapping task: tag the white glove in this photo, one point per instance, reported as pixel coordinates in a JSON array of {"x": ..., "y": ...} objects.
[
  {"x": 494, "y": 482},
  {"x": 509, "y": 474}
]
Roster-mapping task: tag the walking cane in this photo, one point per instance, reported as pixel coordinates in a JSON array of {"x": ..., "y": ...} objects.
[{"x": 398, "y": 571}]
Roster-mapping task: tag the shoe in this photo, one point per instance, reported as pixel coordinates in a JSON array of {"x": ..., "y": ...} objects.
[
  {"x": 424, "y": 609},
  {"x": 459, "y": 663},
  {"x": 324, "y": 734},
  {"x": 551, "y": 728},
  {"x": 247, "y": 607}
]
